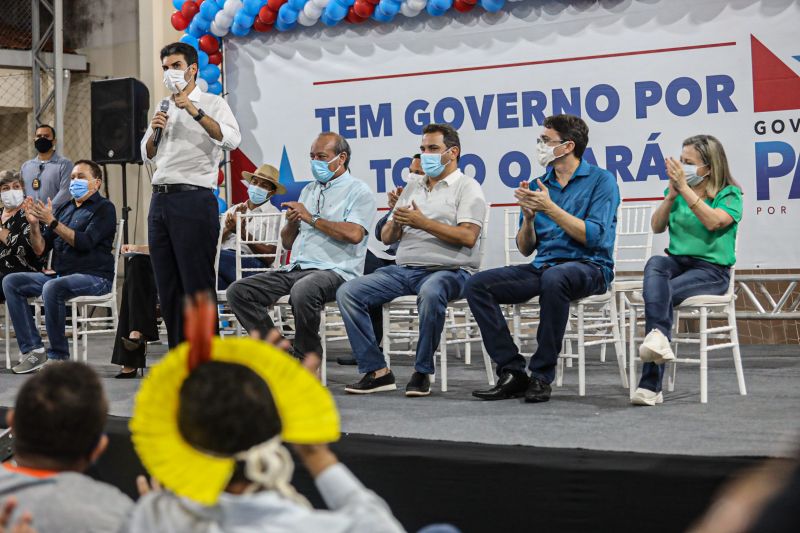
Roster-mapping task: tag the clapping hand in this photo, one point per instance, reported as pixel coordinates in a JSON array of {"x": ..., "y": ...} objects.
[
  {"x": 27, "y": 207},
  {"x": 522, "y": 194},
  {"x": 296, "y": 212},
  {"x": 392, "y": 197},
  {"x": 677, "y": 179},
  {"x": 410, "y": 216},
  {"x": 22, "y": 525},
  {"x": 43, "y": 212}
]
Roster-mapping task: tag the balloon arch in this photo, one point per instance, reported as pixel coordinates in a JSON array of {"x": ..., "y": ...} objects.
[{"x": 207, "y": 21}]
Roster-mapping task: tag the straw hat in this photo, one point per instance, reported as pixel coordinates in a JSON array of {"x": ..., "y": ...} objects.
[{"x": 269, "y": 173}]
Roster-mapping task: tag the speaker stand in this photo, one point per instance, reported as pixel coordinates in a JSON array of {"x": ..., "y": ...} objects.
[{"x": 125, "y": 208}]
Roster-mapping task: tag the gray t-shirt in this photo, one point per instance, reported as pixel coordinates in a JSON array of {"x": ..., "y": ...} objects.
[
  {"x": 455, "y": 199},
  {"x": 68, "y": 501}
]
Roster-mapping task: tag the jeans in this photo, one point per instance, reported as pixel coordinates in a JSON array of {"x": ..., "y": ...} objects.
[
  {"x": 668, "y": 281},
  {"x": 433, "y": 288},
  {"x": 227, "y": 268},
  {"x": 556, "y": 287},
  {"x": 308, "y": 290},
  {"x": 55, "y": 291},
  {"x": 372, "y": 263}
]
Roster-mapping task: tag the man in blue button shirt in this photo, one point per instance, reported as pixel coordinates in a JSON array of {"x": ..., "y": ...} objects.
[
  {"x": 326, "y": 231},
  {"x": 47, "y": 176},
  {"x": 569, "y": 219},
  {"x": 81, "y": 235}
]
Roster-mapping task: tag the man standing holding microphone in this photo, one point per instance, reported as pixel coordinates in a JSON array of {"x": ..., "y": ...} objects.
[{"x": 185, "y": 140}]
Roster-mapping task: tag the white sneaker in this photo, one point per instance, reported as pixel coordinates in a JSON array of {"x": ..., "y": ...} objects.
[
  {"x": 646, "y": 397},
  {"x": 655, "y": 348}
]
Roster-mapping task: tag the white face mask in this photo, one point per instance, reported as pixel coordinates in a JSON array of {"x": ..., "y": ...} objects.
[
  {"x": 175, "y": 80},
  {"x": 690, "y": 171},
  {"x": 547, "y": 154},
  {"x": 12, "y": 198}
]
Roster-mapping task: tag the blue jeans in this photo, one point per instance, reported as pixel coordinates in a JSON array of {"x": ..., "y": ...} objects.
[
  {"x": 556, "y": 287},
  {"x": 227, "y": 268},
  {"x": 433, "y": 288},
  {"x": 55, "y": 291},
  {"x": 668, "y": 281}
]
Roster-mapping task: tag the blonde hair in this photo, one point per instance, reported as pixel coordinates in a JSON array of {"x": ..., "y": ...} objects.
[{"x": 713, "y": 154}]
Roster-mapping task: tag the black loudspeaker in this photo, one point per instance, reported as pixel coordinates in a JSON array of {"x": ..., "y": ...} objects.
[{"x": 119, "y": 120}]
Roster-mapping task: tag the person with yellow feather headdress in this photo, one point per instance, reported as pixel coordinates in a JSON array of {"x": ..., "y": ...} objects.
[{"x": 209, "y": 424}]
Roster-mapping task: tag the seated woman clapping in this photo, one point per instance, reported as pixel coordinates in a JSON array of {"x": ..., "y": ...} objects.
[{"x": 702, "y": 210}]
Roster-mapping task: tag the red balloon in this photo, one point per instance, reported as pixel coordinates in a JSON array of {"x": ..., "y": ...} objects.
[
  {"x": 267, "y": 15},
  {"x": 353, "y": 18},
  {"x": 258, "y": 26},
  {"x": 275, "y": 5},
  {"x": 462, "y": 6},
  {"x": 189, "y": 10},
  {"x": 179, "y": 22},
  {"x": 363, "y": 8},
  {"x": 199, "y": 2},
  {"x": 209, "y": 44},
  {"x": 472, "y": 2},
  {"x": 375, "y": 2},
  {"x": 215, "y": 59},
  {"x": 220, "y": 177}
]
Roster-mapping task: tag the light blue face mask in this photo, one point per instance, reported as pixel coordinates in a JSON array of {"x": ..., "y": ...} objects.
[
  {"x": 78, "y": 188},
  {"x": 690, "y": 171},
  {"x": 432, "y": 164},
  {"x": 258, "y": 195},
  {"x": 321, "y": 171}
]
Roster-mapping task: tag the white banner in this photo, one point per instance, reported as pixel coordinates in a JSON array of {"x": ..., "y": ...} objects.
[{"x": 643, "y": 75}]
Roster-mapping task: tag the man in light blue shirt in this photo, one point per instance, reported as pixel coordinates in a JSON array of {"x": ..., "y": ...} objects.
[
  {"x": 326, "y": 231},
  {"x": 47, "y": 175}
]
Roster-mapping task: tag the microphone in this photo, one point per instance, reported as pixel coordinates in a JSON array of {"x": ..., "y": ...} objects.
[{"x": 157, "y": 135}]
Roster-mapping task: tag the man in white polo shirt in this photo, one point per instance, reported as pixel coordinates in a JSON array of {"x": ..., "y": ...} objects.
[
  {"x": 437, "y": 220},
  {"x": 183, "y": 223}
]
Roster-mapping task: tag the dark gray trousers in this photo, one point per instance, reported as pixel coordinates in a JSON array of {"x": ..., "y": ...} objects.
[{"x": 308, "y": 290}]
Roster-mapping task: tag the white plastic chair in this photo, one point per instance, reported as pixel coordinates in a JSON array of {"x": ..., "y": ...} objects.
[{"x": 696, "y": 307}]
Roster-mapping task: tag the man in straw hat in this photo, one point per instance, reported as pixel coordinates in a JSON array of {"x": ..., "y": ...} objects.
[
  {"x": 209, "y": 424},
  {"x": 261, "y": 186}
]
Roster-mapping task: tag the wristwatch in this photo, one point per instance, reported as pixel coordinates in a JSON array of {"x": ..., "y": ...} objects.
[
  {"x": 200, "y": 114},
  {"x": 53, "y": 224},
  {"x": 314, "y": 220}
]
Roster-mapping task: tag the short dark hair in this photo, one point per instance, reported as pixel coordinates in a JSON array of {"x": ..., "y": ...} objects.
[
  {"x": 226, "y": 408},
  {"x": 571, "y": 128},
  {"x": 449, "y": 134},
  {"x": 9, "y": 176},
  {"x": 97, "y": 172},
  {"x": 60, "y": 413},
  {"x": 340, "y": 146},
  {"x": 188, "y": 52},
  {"x": 51, "y": 128}
]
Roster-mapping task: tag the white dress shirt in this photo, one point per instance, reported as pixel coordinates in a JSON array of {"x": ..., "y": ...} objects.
[{"x": 187, "y": 154}]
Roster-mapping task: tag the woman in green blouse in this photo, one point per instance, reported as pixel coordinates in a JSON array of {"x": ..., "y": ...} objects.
[{"x": 702, "y": 209}]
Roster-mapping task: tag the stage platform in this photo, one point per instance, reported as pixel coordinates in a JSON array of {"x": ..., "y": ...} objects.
[{"x": 573, "y": 464}]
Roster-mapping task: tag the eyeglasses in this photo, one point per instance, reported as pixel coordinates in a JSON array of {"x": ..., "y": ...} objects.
[{"x": 541, "y": 140}]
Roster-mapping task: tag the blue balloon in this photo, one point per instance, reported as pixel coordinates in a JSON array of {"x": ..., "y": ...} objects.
[
  {"x": 209, "y": 10},
  {"x": 287, "y": 15},
  {"x": 178, "y": 4},
  {"x": 210, "y": 72},
  {"x": 220, "y": 3},
  {"x": 239, "y": 31},
  {"x": 190, "y": 40},
  {"x": 243, "y": 19},
  {"x": 203, "y": 24},
  {"x": 492, "y": 6},
  {"x": 389, "y": 9},
  {"x": 297, "y": 5},
  {"x": 326, "y": 19},
  {"x": 334, "y": 11},
  {"x": 251, "y": 7},
  {"x": 223, "y": 205},
  {"x": 216, "y": 87},
  {"x": 439, "y": 5},
  {"x": 202, "y": 59},
  {"x": 282, "y": 26},
  {"x": 380, "y": 15}
]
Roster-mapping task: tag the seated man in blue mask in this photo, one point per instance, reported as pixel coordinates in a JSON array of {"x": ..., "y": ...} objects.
[
  {"x": 326, "y": 231},
  {"x": 261, "y": 186},
  {"x": 81, "y": 235},
  {"x": 569, "y": 220},
  {"x": 437, "y": 221}
]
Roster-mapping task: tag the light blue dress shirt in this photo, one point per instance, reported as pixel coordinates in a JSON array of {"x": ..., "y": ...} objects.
[{"x": 343, "y": 199}]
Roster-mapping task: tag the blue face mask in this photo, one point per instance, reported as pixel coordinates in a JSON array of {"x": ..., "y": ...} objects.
[
  {"x": 258, "y": 195},
  {"x": 78, "y": 188},
  {"x": 432, "y": 164},
  {"x": 321, "y": 171}
]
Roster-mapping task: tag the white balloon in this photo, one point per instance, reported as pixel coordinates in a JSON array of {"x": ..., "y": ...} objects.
[
  {"x": 232, "y": 6},
  {"x": 203, "y": 84},
  {"x": 216, "y": 30},
  {"x": 409, "y": 11},
  {"x": 304, "y": 19},
  {"x": 319, "y": 3},
  {"x": 417, "y": 5},
  {"x": 312, "y": 10},
  {"x": 223, "y": 20}
]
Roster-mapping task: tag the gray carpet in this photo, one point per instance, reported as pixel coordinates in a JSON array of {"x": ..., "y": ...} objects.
[{"x": 763, "y": 423}]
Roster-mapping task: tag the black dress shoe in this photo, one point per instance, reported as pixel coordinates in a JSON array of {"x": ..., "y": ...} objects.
[
  {"x": 512, "y": 384},
  {"x": 133, "y": 374},
  {"x": 538, "y": 391},
  {"x": 347, "y": 361}
]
